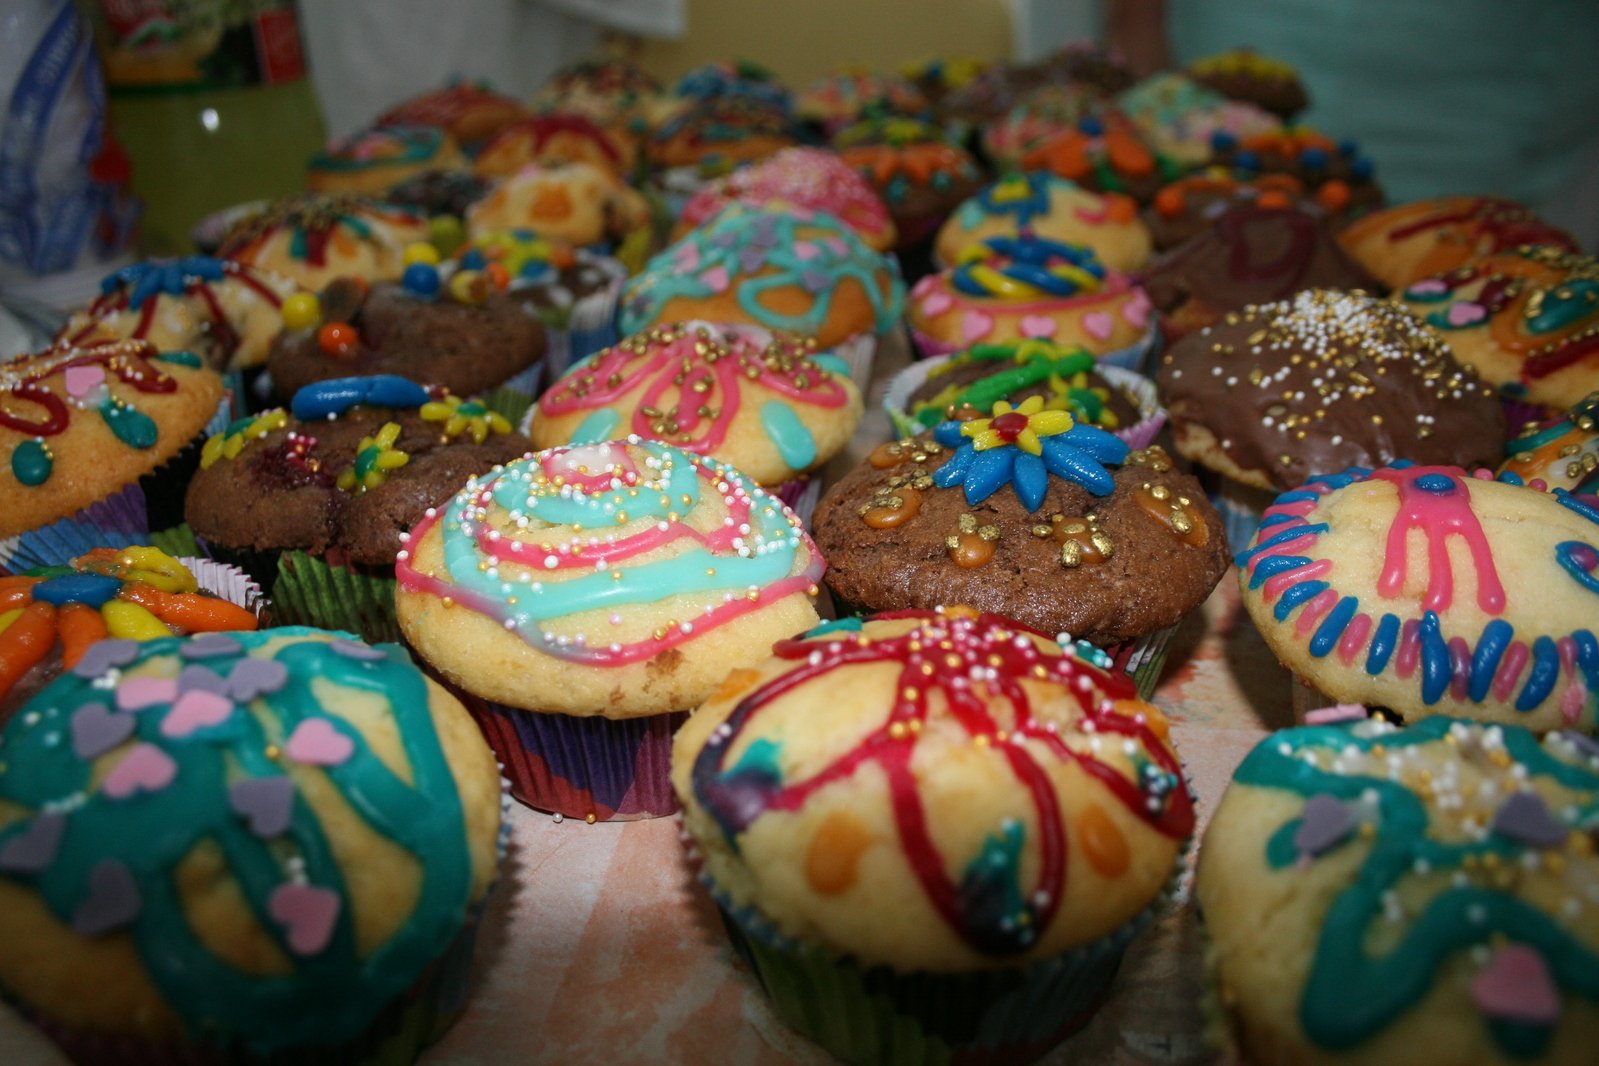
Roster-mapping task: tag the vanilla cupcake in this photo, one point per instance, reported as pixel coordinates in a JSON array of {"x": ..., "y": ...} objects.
[{"x": 314, "y": 239}]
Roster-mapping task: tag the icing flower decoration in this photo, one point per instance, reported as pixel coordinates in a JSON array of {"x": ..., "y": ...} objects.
[
  {"x": 465, "y": 416},
  {"x": 1023, "y": 268},
  {"x": 1021, "y": 446},
  {"x": 171, "y": 276},
  {"x": 241, "y": 431},
  {"x": 376, "y": 456}
]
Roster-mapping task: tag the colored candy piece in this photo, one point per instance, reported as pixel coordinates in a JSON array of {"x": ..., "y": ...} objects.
[
  {"x": 256, "y": 677},
  {"x": 105, "y": 655},
  {"x": 1526, "y": 819},
  {"x": 142, "y": 692},
  {"x": 1516, "y": 986},
  {"x": 1326, "y": 822},
  {"x": 316, "y": 742},
  {"x": 265, "y": 803},
  {"x": 198, "y": 678},
  {"x": 301, "y": 310},
  {"x": 146, "y": 768},
  {"x": 130, "y": 621},
  {"x": 82, "y": 380},
  {"x": 96, "y": 729},
  {"x": 1099, "y": 325},
  {"x": 33, "y": 849},
  {"x": 308, "y": 915},
  {"x": 90, "y": 589},
  {"x": 113, "y": 900}
]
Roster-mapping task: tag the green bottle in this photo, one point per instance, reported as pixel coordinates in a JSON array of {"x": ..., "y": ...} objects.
[{"x": 212, "y": 102}]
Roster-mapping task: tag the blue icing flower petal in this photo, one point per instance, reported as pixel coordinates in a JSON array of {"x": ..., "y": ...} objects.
[
  {"x": 1031, "y": 480},
  {"x": 989, "y": 471},
  {"x": 1068, "y": 462},
  {"x": 948, "y": 434},
  {"x": 1106, "y": 447},
  {"x": 955, "y": 469}
]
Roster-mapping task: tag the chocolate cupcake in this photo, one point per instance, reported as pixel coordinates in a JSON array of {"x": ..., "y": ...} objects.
[
  {"x": 462, "y": 338},
  {"x": 438, "y": 192},
  {"x": 1190, "y": 205},
  {"x": 921, "y": 176},
  {"x": 1340, "y": 177},
  {"x": 1244, "y": 74}
]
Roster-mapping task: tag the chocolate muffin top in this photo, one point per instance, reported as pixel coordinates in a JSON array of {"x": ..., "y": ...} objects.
[
  {"x": 352, "y": 465},
  {"x": 1279, "y": 392},
  {"x": 1077, "y": 537},
  {"x": 1245, "y": 74},
  {"x": 465, "y": 338}
]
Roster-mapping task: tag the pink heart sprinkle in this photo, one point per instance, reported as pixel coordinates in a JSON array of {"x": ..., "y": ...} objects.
[
  {"x": 715, "y": 278},
  {"x": 142, "y": 692},
  {"x": 805, "y": 251},
  {"x": 1429, "y": 287},
  {"x": 316, "y": 742},
  {"x": 1099, "y": 325},
  {"x": 81, "y": 380},
  {"x": 307, "y": 913},
  {"x": 195, "y": 709},
  {"x": 1135, "y": 312},
  {"x": 937, "y": 302},
  {"x": 146, "y": 768},
  {"x": 1037, "y": 326},
  {"x": 688, "y": 257},
  {"x": 1516, "y": 986},
  {"x": 975, "y": 325},
  {"x": 1465, "y": 313}
]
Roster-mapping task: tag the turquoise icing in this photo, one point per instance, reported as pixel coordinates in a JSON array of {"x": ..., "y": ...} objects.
[
  {"x": 741, "y": 242},
  {"x": 188, "y": 359},
  {"x": 1565, "y": 306},
  {"x": 31, "y": 463},
  {"x": 598, "y": 426},
  {"x": 130, "y": 425},
  {"x": 762, "y": 758},
  {"x": 332, "y": 994},
  {"x": 831, "y": 363},
  {"x": 1349, "y": 996},
  {"x": 794, "y": 441},
  {"x": 993, "y": 904}
]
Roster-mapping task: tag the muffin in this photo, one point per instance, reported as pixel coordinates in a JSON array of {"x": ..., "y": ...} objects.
[
  {"x": 134, "y": 593},
  {"x": 1068, "y": 379},
  {"x": 313, "y": 239},
  {"x": 1279, "y": 392},
  {"x": 720, "y": 130},
  {"x": 1497, "y": 626},
  {"x": 1027, "y": 514},
  {"x": 467, "y": 339},
  {"x": 1191, "y": 205},
  {"x": 574, "y": 203},
  {"x": 211, "y": 893},
  {"x": 313, "y": 501},
  {"x": 845, "y": 96},
  {"x": 1527, "y": 320},
  {"x": 1255, "y": 253},
  {"x": 436, "y": 193},
  {"x": 924, "y": 855},
  {"x": 1180, "y": 118},
  {"x": 1563, "y": 454},
  {"x": 1105, "y": 153},
  {"x": 800, "y": 271},
  {"x": 768, "y": 404},
  {"x": 550, "y": 140},
  {"x": 1401, "y": 245},
  {"x": 581, "y": 658},
  {"x": 1245, "y": 74},
  {"x": 470, "y": 114},
  {"x": 1369, "y": 891},
  {"x": 607, "y": 90},
  {"x": 368, "y": 163},
  {"x": 808, "y": 178},
  {"x": 225, "y": 312},
  {"x": 1342, "y": 179},
  {"x": 1041, "y": 114},
  {"x": 920, "y": 176},
  {"x": 1010, "y": 289},
  {"x": 1052, "y": 208},
  {"x": 97, "y": 443}
]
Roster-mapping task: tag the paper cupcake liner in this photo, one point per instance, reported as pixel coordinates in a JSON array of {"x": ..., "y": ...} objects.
[
  {"x": 1240, "y": 506},
  {"x": 512, "y": 398},
  {"x": 229, "y": 583},
  {"x": 859, "y": 353},
  {"x": 902, "y": 386},
  {"x": 799, "y": 495},
  {"x": 1143, "y": 659},
  {"x": 313, "y": 591},
  {"x": 1521, "y": 416},
  {"x": 177, "y": 541},
  {"x": 595, "y": 768}
]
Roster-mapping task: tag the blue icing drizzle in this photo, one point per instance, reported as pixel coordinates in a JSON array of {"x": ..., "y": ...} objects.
[
  {"x": 1436, "y": 664},
  {"x": 831, "y": 363},
  {"x": 334, "y": 397},
  {"x": 1496, "y": 637},
  {"x": 1297, "y": 594},
  {"x": 1243, "y": 557},
  {"x": 158, "y": 276},
  {"x": 599, "y": 425},
  {"x": 1332, "y": 627},
  {"x": 995, "y": 912},
  {"x": 1541, "y": 678},
  {"x": 1275, "y": 564},
  {"x": 1382, "y": 644},
  {"x": 792, "y": 437}
]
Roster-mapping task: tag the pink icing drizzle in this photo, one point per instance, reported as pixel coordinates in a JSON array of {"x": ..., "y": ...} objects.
[{"x": 1439, "y": 515}]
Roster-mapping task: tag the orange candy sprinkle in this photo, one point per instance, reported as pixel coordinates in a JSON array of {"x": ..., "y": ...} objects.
[
  {"x": 1102, "y": 843},
  {"x": 833, "y": 859},
  {"x": 337, "y": 339}
]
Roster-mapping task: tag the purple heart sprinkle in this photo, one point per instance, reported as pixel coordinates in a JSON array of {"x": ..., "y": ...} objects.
[
  {"x": 96, "y": 729},
  {"x": 814, "y": 280},
  {"x": 1526, "y": 819},
  {"x": 352, "y": 649},
  {"x": 113, "y": 900},
  {"x": 1582, "y": 742},
  {"x": 1326, "y": 822},
  {"x": 725, "y": 239},
  {"x": 202, "y": 679},
  {"x": 32, "y": 850},
  {"x": 751, "y": 259},
  {"x": 265, "y": 803},
  {"x": 256, "y": 677},
  {"x": 103, "y": 655},
  {"x": 209, "y": 646}
]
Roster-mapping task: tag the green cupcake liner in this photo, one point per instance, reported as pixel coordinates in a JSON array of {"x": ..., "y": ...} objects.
[{"x": 312, "y": 591}]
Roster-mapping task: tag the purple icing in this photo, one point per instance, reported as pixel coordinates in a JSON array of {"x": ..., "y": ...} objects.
[
  {"x": 815, "y": 280},
  {"x": 256, "y": 677},
  {"x": 203, "y": 679},
  {"x": 209, "y": 646},
  {"x": 33, "y": 849},
  {"x": 353, "y": 649},
  {"x": 265, "y": 803},
  {"x": 102, "y": 655},
  {"x": 96, "y": 729},
  {"x": 1583, "y": 743},
  {"x": 751, "y": 260},
  {"x": 113, "y": 900},
  {"x": 1326, "y": 822},
  {"x": 1524, "y": 818}
]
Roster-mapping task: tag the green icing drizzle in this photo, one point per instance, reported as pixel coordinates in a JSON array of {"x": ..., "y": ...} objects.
[
  {"x": 1573, "y": 301},
  {"x": 333, "y": 994},
  {"x": 31, "y": 463},
  {"x": 599, "y": 426},
  {"x": 760, "y": 758},
  {"x": 188, "y": 359},
  {"x": 1456, "y": 919},
  {"x": 793, "y": 440},
  {"x": 1035, "y": 363},
  {"x": 131, "y": 426}
]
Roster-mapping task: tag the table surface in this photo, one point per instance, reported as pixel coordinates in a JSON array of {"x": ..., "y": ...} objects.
[{"x": 598, "y": 947}]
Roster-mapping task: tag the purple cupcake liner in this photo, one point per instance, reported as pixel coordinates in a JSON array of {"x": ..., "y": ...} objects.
[
  {"x": 1522, "y": 416},
  {"x": 799, "y": 495},
  {"x": 117, "y": 521}
]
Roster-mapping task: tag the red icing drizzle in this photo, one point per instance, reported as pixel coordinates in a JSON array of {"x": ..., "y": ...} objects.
[
  {"x": 115, "y": 301},
  {"x": 128, "y": 360},
  {"x": 1438, "y": 515}
]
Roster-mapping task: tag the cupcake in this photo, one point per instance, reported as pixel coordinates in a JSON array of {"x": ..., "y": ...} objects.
[
  {"x": 277, "y": 847},
  {"x": 612, "y": 91},
  {"x": 1562, "y": 454},
  {"x": 1401, "y": 245},
  {"x": 1067, "y": 379},
  {"x": 470, "y": 114},
  {"x": 1279, "y": 392},
  {"x": 1527, "y": 320},
  {"x": 586, "y": 596},
  {"x": 1028, "y": 514},
  {"x": 848, "y": 95},
  {"x": 1255, "y": 253},
  {"x": 1427, "y": 591},
  {"x": 800, "y": 271},
  {"x": 1042, "y": 205},
  {"x": 134, "y": 593},
  {"x": 1341, "y": 178},
  {"x": 436, "y": 194},
  {"x": 1010, "y": 289},
  {"x": 225, "y": 312},
  {"x": 574, "y": 203},
  {"x": 768, "y": 404},
  {"x": 919, "y": 175},
  {"x": 947, "y": 864},
  {"x": 1180, "y": 118},
  {"x": 1245, "y": 74},
  {"x": 464, "y": 335},
  {"x": 368, "y": 163},
  {"x": 550, "y": 140},
  {"x": 1040, "y": 114},
  {"x": 1105, "y": 153},
  {"x": 98, "y": 443},
  {"x": 723, "y": 131},
  {"x": 313, "y": 239},
  {"x": 313, "y": 501},
  {"x": 808, "y": 178},
  {"x": 1190, "y": 206},
  {"x": 1370, "y": 891}
]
